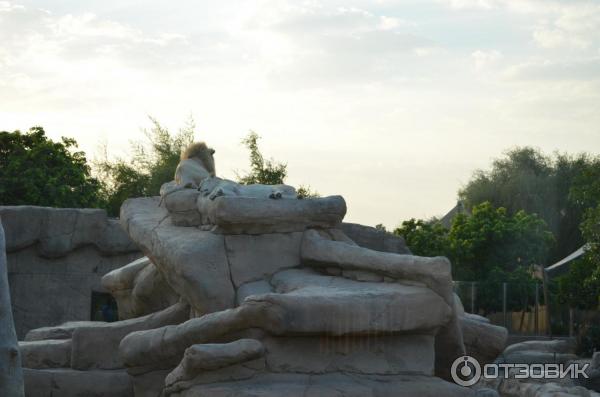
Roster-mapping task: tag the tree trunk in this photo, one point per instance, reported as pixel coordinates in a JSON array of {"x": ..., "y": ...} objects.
[{"x": 11, "y": 375}]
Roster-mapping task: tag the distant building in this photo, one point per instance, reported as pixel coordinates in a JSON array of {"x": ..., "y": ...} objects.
[{"x": 459, "y": 208}]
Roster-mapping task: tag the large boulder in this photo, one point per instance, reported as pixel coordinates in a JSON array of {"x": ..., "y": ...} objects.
[
  {"x": 483, "y": 341},
  {"x": 306, "y": 303},
  {"x": 375, "y": 239},
  {"x": 193, "y": 262},
  {"x": 558, "y": 351},
  {"x": 139, "y": 289}
]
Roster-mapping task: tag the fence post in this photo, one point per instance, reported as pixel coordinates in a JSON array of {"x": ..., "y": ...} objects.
[
  {"x": 537, "y": 306},
  {"x": 571, "y": 322},
  {"x": 473, "y": 297},
  {"x": 504, "y": 304},
  {"x": 546, "y": 302}
]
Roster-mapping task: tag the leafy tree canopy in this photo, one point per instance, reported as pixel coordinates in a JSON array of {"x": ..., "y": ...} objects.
[
  {"x": 263, "y": 171},
  {"x": 580, "y": 287},
  {"x": 489, "y": 246},
  {"x": 490, "y": 237},
  {"x": 267, "y": 171},
  {"x": 526, "y": 179},
  {"x": 34, "y": 170},
  {"x": 152, "y": 164},
  {"x": 425, "y": 238}
]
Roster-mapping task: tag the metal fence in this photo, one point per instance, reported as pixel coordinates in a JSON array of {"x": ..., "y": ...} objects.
[{"x": 524, "y": 309}]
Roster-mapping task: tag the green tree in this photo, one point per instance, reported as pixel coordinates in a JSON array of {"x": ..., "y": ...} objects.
[
  {"x": 490, "y": 247},
  {"x": 580, "y": 287},
  {"x": 152, "y": 164},
  {"x": 520, "y": 290},
  {"x": 34, "y": 170},
  {"x": 425, "y": 238},
  {"x": 490, "y": 238},
  {"x": 267, "y": 171},
  {"x": 526, "y": 179},
  {"x": 263, "y": 171}
]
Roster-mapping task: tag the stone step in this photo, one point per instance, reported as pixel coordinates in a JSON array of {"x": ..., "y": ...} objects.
[
  {"x": 71, "y": 383},
  {"x": 330, "y": 385},
  {"x": 50, "y": 353}
]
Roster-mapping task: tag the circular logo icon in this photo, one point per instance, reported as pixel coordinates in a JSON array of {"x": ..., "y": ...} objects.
[{"x": 465, "y": 371}]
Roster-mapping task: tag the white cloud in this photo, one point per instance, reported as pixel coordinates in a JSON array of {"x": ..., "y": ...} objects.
[
  {"x": 483, "y": 59},
  {"x": 415, "y": 89},
  {"x": 554, "y": 23},
  {"x": 562, "y": 70}
]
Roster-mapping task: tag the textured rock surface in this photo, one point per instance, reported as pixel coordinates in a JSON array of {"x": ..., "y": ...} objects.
[
  {"x": 11, "y": 376},
  {"x": 149, "y": 384},
  {"x": 58, "y": 231},
  {"x": 207, "y": 357},
  {"x": 237, "y": 215},
  {"x": 62, "y": 331},
  {"x": 275, "y": 300},
  {"x": 433, "y": 272},
  {"x": 72, "y": 383},
  {"x": 251, "y": 257},
  {"x": 61, "y": 254},
  {"x": 183, "y": 208},
  {"x": 523, "y": 388},
  {"x": 483, "y": 341},
  {"x": 97, "y": 346},
  {"x": 325, "y": 315},
  {"x": 306, "y": 303},
  {"x": 193, "y": 262},
  {"x": 351, "y": 354},
  {"x": 533, "y": 352},
  {"x": 255, "y": 212},
  {"x": 329, "y": 385},
  {"x": 139, "y": 289},
  {"x": 252, "y": 288},
  {"x": 375, "y": 239},
  {"x": 46, "y": 353},
  {"x": 593, "y": 373},
  {"x": 549, "y": 346}
]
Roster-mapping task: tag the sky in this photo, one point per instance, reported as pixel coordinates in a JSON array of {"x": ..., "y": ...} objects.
[{"x": 392, "y": 104}]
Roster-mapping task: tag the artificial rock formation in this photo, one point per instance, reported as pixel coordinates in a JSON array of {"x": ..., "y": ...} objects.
[
  {"x": 61, "y": 254},
  {"x": 273, "y": 299},
  {"x": 11, "y": 376}
]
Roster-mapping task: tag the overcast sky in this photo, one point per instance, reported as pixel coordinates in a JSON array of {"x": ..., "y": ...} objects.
[{"x": 392, "y": 104}]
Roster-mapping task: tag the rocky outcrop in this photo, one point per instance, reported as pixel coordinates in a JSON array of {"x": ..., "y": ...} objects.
[
  {"x": 375, "y": 239},
  {"x": 61, "y": 254},
  {"x": 559, "y": 352},
  {"x": 71, "y": 383},
  {"x": 483, "y": 341},
  {"x": 343, "y": 302},
  {"x": 337, "y": 384},
  {"x": 252, "y": 215},
  {"x": 11, "y": 376},
  {"x": 540, "y": 352},
  {"x": 282, "y": 303},
  {"x": 59, "y": 231},
  {"x": 139, "y": 289}
]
